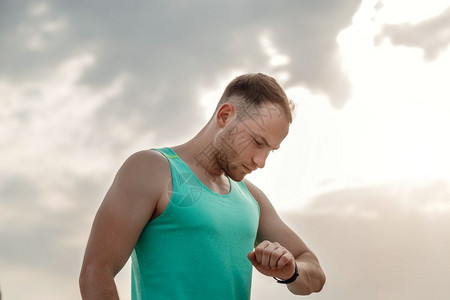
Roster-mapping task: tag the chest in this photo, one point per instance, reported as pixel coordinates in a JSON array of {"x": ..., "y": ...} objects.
[{"x": 200, "y": 212}]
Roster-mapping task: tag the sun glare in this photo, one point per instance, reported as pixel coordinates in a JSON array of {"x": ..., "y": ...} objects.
[
  {"x": 394, "y": 11},
  {"x": 399, "y": 101},
  {"x": 393, "y": 128}
]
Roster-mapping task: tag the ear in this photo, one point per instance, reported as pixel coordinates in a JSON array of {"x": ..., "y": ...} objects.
[{"x": 225, "y": 114}]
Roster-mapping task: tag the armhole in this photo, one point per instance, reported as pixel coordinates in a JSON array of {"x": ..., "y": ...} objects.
[
  {"x": 169, "y": 189},
  {"x": 251, "y": 195}
]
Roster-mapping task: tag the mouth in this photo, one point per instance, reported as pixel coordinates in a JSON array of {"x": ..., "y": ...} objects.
[{"x": 247, "y": 170}]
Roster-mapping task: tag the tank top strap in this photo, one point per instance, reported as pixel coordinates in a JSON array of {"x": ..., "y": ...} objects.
[
  {"x": 167, "y": 152},
  {"x": 184, "y": 181}
]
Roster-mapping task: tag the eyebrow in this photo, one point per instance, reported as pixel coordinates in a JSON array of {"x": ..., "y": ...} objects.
[{"x": 267, "y": 143}]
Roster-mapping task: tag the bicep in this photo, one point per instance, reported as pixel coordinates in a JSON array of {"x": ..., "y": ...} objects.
[
  {"x": 125, "y": 210},
  {"x": 114, "y": 232}
]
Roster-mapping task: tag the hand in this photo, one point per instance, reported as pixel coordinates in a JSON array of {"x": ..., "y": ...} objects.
[{"x": 272, "y": 259}]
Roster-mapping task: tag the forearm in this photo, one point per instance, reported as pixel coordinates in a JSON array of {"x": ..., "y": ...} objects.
[
  {"x": 96, "y": 284},
  {"x": 311, "y": 276}
]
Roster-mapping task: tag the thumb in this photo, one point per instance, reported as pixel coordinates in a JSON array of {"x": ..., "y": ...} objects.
[{"x": 252, "y": 257}]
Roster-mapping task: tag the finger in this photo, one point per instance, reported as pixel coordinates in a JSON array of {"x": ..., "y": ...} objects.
[
  {"x": 252, "y": 257},
  {"x": 284, "y": 260},
  {"x": 259, "y": 250},
  {"x": 267, "y": 253},
  {"x": 275, "y": 257}
]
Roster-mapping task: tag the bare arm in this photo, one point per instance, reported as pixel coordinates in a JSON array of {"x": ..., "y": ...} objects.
[
  {"x": 278, "y": 249},
  {"x": 125, "y": 210}
]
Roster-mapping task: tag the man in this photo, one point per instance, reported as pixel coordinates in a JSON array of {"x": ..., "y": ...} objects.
[{"x": 190, "y": 220}]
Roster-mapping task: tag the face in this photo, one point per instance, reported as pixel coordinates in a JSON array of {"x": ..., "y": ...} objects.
[{"x": 246, "y": 141}]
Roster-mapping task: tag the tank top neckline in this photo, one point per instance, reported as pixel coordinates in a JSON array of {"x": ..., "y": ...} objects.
[{"x": 176, "y": 156}]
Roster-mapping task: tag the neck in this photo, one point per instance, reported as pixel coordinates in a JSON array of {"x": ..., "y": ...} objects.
[{"x": 199, "y": 153}]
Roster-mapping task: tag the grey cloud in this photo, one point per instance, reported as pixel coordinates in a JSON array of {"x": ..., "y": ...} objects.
[
  {"x": 39, "y": 247},
  {"x": 432, "y": 35},
  {"x": 386, "y": 200},
  {"x": 402, "y": 257},
  {"x": 38, "y": 237},
  {"x": 403, "y": 253},
  {"x": 170, "y": 48},
  {"x": 16, "y": 189}
]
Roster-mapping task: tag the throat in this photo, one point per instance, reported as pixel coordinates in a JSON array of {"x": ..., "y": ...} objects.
[
  {"x": 207, "y": 171},
  {"x": 219, "y": 184}
]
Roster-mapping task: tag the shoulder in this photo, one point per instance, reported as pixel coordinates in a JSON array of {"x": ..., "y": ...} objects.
[
  {"x": 146, "y": 160},
  {"x": 256, "y": 192},
  {"x": 144, "y": 170},
  {"x": 267, "y": 210}
]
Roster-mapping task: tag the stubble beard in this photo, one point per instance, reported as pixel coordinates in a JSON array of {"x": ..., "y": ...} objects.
[{"x": 224, "y": 157}]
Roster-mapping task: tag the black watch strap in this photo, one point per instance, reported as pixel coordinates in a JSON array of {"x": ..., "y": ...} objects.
[{"x": 292, "y": 279}]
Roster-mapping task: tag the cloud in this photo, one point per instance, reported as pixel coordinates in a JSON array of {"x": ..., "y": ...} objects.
[
  {"x": 171, "y": 48},
  {"x": 55, "y": 173},
  {"x": 377, "y": 242},
  {"x": 51, "y": 121},
  {"x": 392, "y": 199},
  {"x": 432, "y": 35},
  {"x": 44, "y": 229},
  {"x": 84, "y": 84}
]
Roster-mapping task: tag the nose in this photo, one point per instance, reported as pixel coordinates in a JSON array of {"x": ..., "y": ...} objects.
[{"x": 260, "y": 158}]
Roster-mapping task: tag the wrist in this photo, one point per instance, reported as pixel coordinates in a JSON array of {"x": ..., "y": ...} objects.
[{"x": 291, "y": 279}]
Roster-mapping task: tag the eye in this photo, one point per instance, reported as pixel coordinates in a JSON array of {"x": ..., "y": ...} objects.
[{"x": 257, "y": 142}]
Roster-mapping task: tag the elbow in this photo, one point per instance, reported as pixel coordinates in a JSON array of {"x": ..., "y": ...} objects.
[
  {"x": 83, "y": 281},
  {"x": 321, "y": 279},
  {"x": 314, "y": 284},
  {"x": 89, "y": 276},
  {"x": 97, "y": 282},
  {"x": 318, "y": 282}
]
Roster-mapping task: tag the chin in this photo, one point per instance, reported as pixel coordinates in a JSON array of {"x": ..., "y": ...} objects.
[{"x": 237, "y": 177}]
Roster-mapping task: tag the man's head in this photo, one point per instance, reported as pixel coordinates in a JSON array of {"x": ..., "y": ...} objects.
[
  {"x": 253, "y": 118},
  {"x": 248, "y": 91}
]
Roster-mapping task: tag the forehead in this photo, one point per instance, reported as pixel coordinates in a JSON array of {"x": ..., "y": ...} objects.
[{"x": 266, "y": 120}]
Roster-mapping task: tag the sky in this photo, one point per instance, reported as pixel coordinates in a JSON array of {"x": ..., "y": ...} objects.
[{"x": 363, "y": 176}]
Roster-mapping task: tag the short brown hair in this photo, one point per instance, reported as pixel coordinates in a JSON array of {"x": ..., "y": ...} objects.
[{"x": 251, "y": 90}]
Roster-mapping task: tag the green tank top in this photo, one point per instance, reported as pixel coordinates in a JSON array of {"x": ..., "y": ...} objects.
[{"x": 197, "y": 248}]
